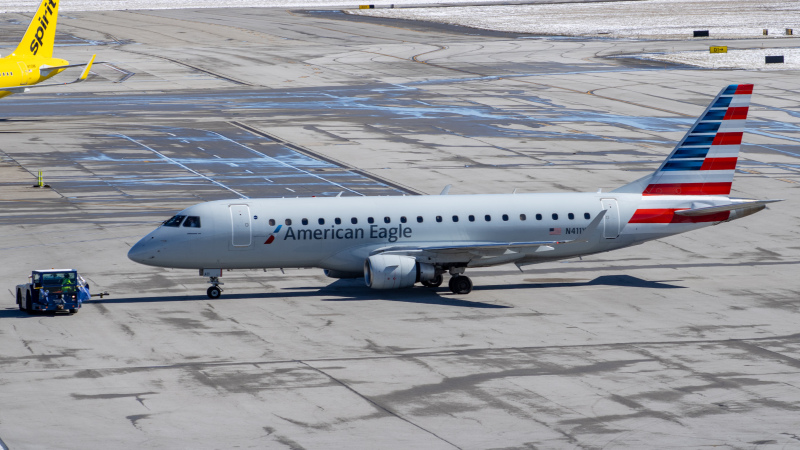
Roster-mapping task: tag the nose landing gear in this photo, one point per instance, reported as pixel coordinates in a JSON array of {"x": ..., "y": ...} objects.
[
  {"x": 214, "y": 291},
  {"x": 213, "y": 278}
]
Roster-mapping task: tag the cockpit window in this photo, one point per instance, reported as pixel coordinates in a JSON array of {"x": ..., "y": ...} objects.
[
  {"x": 175, "y": 221},
  {"x": 192, "y": 222}
]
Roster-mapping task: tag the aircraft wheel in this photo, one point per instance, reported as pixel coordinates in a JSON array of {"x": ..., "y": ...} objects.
[
  {"x": 214, "y": 292},
  {"x": 460, "y": 284},
  {"x": 436, "y": 282}
]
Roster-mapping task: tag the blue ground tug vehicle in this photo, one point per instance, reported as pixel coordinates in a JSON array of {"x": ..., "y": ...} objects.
[{"x": 53, "y": 290}]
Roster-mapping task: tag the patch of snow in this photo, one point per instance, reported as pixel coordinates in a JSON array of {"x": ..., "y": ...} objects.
[
  {"x": 753, "y": 59},
  {"x": 119, "y": 5},
  {"x": 648, "y": 19}
]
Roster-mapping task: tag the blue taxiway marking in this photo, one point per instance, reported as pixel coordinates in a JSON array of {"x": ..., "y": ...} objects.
[
  {"x": 286, "y": 164},
  {"x": 168, "y": 159}
]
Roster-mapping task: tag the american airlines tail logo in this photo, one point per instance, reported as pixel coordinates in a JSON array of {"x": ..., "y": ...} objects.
[
  {"x": 272, "y": 236},
  {"x": 43, "y": 23}
]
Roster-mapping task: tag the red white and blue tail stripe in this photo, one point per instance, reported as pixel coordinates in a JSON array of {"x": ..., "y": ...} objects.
[{"x": 704, "y": 161}]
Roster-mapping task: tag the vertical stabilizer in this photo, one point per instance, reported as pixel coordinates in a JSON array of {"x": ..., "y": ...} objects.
[
  {"x": 41, "y": 33},
  {"x": 704, "y": 161}
]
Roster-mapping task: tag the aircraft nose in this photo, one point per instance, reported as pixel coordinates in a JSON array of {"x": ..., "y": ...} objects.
[{"x": 144, "y": 251}]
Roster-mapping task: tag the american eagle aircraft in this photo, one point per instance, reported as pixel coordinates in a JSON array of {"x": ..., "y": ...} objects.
[
  {"x": 32, "y": 62},
  {"x": 395, "y": 242}
]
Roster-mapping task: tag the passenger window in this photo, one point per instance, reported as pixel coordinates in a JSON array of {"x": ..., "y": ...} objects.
[
  {"x": 455, "y": 218},
  {"x": 555, "y": 216},
  {"x": 438, "y": 218},
  {"x": 337, "y": 221},
  {"x": 175, "y": 221},
  {"x": 403, "y": 219},
  {"x": 387, "y": 220},
  {"x": 587, "y": 216},
  {"x": 471, "y": 218},
  {"x": 304, "y": 221},
  {"x": 370, "y": 220},
  {"x": 538, "y": 217},
  {"x": 522, "y": 217},
  {"x": 505, "y": 217},
  {"x": 571, "y": 216},
  {"x": 419, "y": 219},
  {"x": 272, "y": 222},
  {"x": 321, "y": 221},
  {"x": 488, "y": 218},
  {"x": 192, "y": 222},
  {"x": 288, "y": 221},
  {"x": 353, "y": 220}
]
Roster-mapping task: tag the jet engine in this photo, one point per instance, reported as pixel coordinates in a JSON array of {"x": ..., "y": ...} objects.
[
  {"x": 396, "y": 271},
  {"x": 339, "y": 274}
]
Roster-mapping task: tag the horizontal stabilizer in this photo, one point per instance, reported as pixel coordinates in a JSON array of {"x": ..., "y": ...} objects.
[
  {"x": 729, "y": 207},
  {"x": 82, "y": 77},
  {"x": 45, "y": 70}
]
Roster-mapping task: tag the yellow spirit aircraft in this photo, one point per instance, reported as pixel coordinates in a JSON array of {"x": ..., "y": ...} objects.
[{"x": 32, "y": 62}]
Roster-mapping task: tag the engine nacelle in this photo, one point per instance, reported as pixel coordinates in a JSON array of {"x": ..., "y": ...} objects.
[
  {"x": 339, "y": 274},
  {"x": 395, "y": 271}
]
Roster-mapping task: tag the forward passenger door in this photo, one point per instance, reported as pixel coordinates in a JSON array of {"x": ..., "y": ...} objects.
[{"x": 241, "y": 228}]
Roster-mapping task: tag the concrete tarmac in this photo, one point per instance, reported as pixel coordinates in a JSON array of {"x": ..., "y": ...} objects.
[{"x": 687, "y": 342}]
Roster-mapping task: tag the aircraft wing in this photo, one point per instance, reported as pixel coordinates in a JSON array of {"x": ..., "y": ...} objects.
[
  {"x": 47, "y": 70},
  {"x": 730, "y": 207},
  {"x": 491, "y": 252}
]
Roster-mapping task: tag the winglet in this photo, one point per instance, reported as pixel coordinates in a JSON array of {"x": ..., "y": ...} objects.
[
  {"x": 85, "y": 72},
  {"x": 446, "y": 189}
]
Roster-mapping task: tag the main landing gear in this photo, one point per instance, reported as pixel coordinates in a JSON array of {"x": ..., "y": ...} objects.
[
  {"x": 436, "y": 282},
  {"x": 459, "y": 283}
]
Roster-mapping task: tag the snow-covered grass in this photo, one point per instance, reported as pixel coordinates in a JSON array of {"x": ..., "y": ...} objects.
[
  {"x": 112, "y": 5},
  {"x": 649, "y": 19},
  {"x": 734, "y": 59}
]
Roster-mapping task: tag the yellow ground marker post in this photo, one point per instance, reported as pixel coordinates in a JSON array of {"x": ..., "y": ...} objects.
[{"x": 40, "y": 181}]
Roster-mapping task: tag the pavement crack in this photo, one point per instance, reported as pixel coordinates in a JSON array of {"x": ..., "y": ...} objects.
[{"x": 376, "y": 404}]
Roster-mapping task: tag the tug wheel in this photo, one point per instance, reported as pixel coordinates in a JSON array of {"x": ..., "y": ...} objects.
[{"x": 28, "y": 302}]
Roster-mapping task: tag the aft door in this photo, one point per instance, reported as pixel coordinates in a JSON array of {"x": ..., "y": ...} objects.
[
  {"x": 24, "y": 72},
  {"x": 241, "y": 229},
  {"x": 611, "y": 220}
]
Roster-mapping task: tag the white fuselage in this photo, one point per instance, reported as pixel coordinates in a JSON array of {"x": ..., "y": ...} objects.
[{"x": 245, "y": 233}]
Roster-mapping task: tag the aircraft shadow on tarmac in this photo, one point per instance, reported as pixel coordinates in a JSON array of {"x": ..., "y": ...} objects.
[
  {"x": 350, "y": 290},
  {"x": 605, "y": 280}
]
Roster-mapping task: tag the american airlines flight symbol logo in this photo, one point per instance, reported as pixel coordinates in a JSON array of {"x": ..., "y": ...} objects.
[
  {"x": 43, "y": 23},
  {"x": 272, "y": 236}
]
